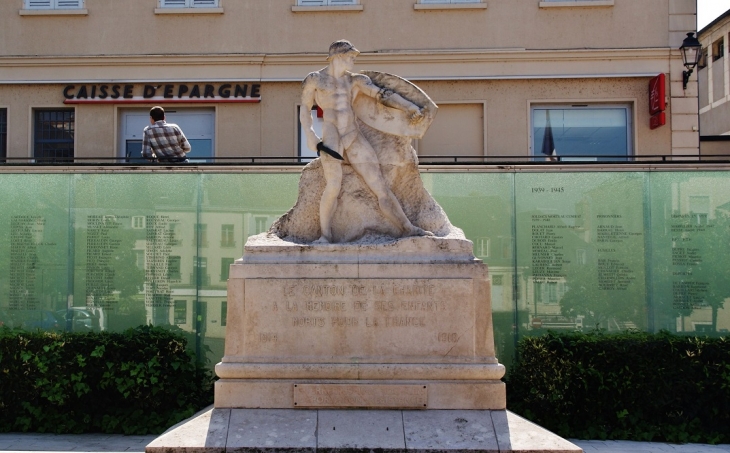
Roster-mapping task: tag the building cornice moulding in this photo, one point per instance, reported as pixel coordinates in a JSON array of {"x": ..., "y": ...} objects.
[{"x": 417, "y": 65}]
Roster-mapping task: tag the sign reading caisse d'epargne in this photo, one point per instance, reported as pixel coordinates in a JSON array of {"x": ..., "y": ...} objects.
[{"x": 162, "y": 93}]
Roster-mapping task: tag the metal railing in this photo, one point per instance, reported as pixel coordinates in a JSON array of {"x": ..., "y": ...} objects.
[{"x": 423, "y": 160}]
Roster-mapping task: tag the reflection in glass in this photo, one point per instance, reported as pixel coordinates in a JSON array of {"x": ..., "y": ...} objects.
[
  {"x": 615, "y": 250},
  {"x": 591, "y": 133}
]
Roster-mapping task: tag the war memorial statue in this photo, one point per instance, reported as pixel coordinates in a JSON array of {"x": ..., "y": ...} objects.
[
  {"x": 362, "y": 295},
  {"x": 366, "y": 180},
  {"x": 333, "y": 90}
]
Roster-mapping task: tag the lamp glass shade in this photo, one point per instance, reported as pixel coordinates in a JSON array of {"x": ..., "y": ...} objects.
[{"x": 691, "y": 51}]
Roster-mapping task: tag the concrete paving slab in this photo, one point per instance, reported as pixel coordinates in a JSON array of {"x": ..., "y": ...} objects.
[
  {"x": 360, "y": 430},
  {"x": 516, "y": 434},
  {"x": 270, "y": 430},
  {"x": 626, "y": 446},
  {"x": 452, "y": 430},
  {"x": 73, "y": 442},
  {"x": 206, "y": 433}
]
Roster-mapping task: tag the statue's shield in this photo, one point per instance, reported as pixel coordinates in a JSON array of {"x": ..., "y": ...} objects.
[{"x": 390, "y": 120}]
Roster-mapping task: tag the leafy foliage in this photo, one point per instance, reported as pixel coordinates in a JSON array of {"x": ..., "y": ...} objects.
[
  {"x": 636, "y": 386},
  {"x": 141, "y": 381}
]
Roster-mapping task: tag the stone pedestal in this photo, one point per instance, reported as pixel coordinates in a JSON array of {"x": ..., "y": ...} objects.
[{"x": 403, "y": 324}]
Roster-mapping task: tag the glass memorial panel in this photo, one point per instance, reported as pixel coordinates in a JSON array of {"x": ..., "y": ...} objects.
[
  {"x": 572, "y": 250},
  {"x": 481, "y": 204},
  {"x": 580, "y": 250},
  {"x": 34, "y": 278},
  {"x": 690, "y": 232},
  {"x": 233, "y": 206},
  {"x": 130, "y": 248}
]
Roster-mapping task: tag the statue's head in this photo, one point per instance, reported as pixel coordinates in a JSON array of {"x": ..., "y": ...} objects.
[{"x": 341, "y": 47}]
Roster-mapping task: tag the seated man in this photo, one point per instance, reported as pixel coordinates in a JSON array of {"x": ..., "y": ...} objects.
[{"x": 163, "y": 142}]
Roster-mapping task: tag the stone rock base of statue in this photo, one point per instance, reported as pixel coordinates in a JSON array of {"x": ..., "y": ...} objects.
[
  {"x": 384, "y": 431},
  {"x": 390, "y": 324}
]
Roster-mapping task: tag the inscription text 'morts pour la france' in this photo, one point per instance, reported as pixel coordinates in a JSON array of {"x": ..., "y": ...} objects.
[{"x": 308, "y": 314}]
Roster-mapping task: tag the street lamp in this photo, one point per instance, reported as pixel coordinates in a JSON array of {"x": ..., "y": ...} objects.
[{"x": 691, "y": 53}]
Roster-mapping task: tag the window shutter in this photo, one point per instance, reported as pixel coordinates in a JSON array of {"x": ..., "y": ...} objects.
[
  {"x": 172, "y": 3},
  {"x": 38, "y": 4},
  {"x": 451, "y": 1},
  {"x": 327, "y": 2},
  {"x": 69, "y": 4}
]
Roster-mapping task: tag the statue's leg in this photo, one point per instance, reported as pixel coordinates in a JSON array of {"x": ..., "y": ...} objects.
[
  {"x": 364, "y": 161},
  {"x": 332, "y": 170}
]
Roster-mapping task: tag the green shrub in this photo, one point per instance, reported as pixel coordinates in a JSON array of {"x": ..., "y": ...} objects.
[
  {"x": 635, "y": 386},
  {"x": 141, "y": 381}
]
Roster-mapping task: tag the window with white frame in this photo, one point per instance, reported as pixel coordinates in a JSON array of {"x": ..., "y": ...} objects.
[
  {"x": 326, "y": 2},
  {"x": 590, "y": 132},
  {"x": 581, "y": 3},
  {"x": 448, "y": 1},
  {"x": 138, "y": 222},
  {"x": 482, "y": 247},
  {"x": 54, "y": 4},
  {"x": 189, "y": 3}
]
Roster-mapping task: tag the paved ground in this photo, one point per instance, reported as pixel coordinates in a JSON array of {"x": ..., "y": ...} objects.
[
  {"x": 622, "y": 446},
  {"x": 119, "y": 443}
]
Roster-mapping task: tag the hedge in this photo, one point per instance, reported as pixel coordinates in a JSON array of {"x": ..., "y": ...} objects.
[
  {"x": 631, "y": 386},
  {"x": 141, "y": 381}
]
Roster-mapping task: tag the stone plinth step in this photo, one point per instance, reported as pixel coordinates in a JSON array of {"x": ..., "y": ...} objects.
[{"x": 306, "y": 430}]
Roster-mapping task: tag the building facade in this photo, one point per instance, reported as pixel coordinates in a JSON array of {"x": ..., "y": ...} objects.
[
  {"x": 77, "y": 77},
  {"x": 714, "y": 87}
]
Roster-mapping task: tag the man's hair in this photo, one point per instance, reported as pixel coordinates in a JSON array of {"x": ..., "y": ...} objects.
[
  {"x": 157, "y": 113},
  {"x": 341, "y": 47}
]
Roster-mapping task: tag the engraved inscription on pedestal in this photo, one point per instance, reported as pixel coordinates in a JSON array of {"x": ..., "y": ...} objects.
[
  {"x": 316, "y": 319},
  {"x": 354, "y": 395}
]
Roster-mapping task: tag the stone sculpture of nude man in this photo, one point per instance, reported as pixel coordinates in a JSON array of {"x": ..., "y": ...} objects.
[{"x": 333, "y": 89}]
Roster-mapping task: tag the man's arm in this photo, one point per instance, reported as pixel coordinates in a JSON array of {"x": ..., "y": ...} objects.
[
  {"x": 305, "y": 112},
  {"x": 183, "y": 141},
  {"x": 146, "y": 149}
]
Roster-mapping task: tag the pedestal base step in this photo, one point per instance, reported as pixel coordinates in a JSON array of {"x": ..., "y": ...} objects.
[
  {"x": 363, "y": 394},
  {"x": 309, "y": 430}
]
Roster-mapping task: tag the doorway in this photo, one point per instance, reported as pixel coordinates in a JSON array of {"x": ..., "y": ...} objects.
[{"x": 198, "y": 125}]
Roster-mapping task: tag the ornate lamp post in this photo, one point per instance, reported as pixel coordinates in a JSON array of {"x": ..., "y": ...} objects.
[{"x": 691, "y": 53}]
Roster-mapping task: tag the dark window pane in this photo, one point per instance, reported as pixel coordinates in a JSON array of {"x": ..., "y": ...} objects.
[
  {"x": 3, "y": 133},
  {"x": 54, "y": 136}
]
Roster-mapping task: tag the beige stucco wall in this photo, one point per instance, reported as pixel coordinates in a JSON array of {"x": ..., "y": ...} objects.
[
  {"x": 502, "y": 57},
  {"x": 269, "y": 128},
  {"x": 269, "y": 26}
]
